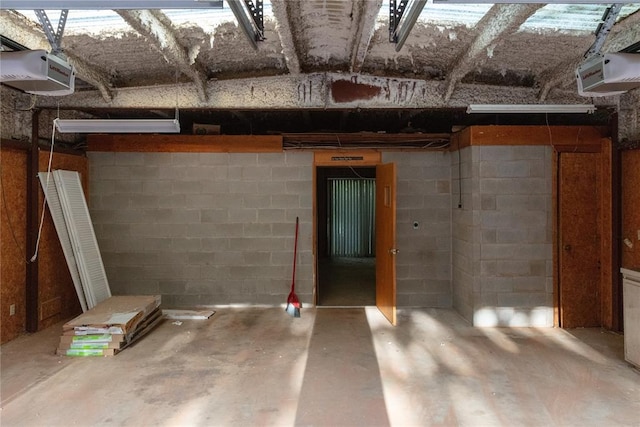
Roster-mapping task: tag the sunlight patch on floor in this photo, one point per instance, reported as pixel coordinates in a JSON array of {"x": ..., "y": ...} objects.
[
  {"x": 570, "y": 343},
  {"x": 501, "y": 339}
]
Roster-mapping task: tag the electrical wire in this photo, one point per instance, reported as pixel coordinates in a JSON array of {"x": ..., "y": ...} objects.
[
  {"x": 34, "y": 98},
  {"x": 350, "y": 167},
  {"x": 44, "y": 204}
]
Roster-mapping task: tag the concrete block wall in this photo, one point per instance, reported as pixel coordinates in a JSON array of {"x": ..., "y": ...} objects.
[
  {"x": 204, "y": 228},
  {"x": 463, "y": 231},
  {"x": 423, "y": 265},
  {"x": 506, "y": 228}
]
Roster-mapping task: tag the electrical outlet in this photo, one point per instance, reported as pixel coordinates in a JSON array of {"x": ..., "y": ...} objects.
[
  {"x": 638, "y": 234},
  {"x": 12, "y": 310}
]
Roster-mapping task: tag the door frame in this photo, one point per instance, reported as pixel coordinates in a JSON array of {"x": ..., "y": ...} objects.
[
  {"x": 338, "y": 159},
  {"x": 608, "y": 270}
]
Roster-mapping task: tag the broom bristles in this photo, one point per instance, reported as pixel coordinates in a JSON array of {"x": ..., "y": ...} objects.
[{"x": 292, "y": 310}]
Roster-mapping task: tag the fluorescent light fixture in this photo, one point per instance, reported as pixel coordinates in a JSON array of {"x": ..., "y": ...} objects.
[
  {"x": 117, "y": 125},
  {"x": 531, "y": 108}
]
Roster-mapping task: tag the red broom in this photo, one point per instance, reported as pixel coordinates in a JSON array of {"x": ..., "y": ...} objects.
[{"x": 293, "y": 303}]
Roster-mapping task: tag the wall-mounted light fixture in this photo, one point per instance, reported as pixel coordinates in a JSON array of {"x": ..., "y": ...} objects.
[
  {"x": 531, "y": 108},
  {"x": 117, "y": 125}
]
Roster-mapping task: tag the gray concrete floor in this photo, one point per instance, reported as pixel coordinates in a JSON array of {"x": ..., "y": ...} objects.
[
  {"x": 347, "y": 282},
  {"x": 259, "y": 366}
]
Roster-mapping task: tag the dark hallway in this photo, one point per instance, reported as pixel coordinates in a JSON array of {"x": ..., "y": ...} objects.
[{"x": 347, "y": 282}]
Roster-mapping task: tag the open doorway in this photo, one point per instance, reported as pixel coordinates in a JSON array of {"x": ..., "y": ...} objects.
[{"x": 345, "y": 203}]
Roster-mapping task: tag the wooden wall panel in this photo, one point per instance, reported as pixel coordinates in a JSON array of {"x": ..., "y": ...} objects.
[
  {"x": 567, "y": 136},
  {"x": 631, "y": 207},
  {"x": 13, "y": 207},
  {"x": 607, "y": 261},
  {"x": 186, "y": 143},
  {"x": 57, "y": 299}
]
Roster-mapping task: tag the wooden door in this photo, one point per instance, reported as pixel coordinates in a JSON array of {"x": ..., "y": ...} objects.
[
  {"x": 579, "y": 240},
  {"x": 386, "y": 240}
]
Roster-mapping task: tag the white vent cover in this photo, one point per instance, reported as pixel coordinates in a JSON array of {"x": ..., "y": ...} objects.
[
  {"x": 82, "y": 236},
  {"x": 63, "y": 233}
]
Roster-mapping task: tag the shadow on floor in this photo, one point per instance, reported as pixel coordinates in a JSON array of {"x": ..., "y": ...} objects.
[
  {"x": 342, "y": 384},
  {"x": 347, "y": 282},
  {"x": 259, "y": 366}
]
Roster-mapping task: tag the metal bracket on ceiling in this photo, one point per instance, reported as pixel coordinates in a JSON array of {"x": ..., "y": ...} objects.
[
  {"x": 396, "y": 10},
  {"x": 253, "y": 24},
  {"x": 399, "y": 29},
  {"x": 54, "y": 36},
  {"x": 257, "y": 15},
  {"x": 608, "y": 20}
]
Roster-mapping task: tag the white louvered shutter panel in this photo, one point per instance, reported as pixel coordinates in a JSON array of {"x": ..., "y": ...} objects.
[
  {"x": 82, "y": 236},
  {"x": 55, "y": 209}
]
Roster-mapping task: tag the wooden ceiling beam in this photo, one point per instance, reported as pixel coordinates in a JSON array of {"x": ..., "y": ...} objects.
[
  {"x": 290, "y": 49},
  {"x": 494, "y": 28},
  {"x": 158, "y": 30},
  {"x": 366, "y": 12}
]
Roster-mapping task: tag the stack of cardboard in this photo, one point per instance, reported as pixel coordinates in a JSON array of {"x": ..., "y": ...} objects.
[{"x": 110, "y": 326}]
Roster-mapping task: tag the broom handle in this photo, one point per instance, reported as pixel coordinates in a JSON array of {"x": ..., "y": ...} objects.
[{"x": 295, "y": 251}]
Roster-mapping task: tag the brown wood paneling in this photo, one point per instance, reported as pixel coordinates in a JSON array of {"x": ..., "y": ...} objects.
[
  {"x": 368, "y": 140},
  {"x": 186, "y": 143},
  {"x": 631, "y": 208},
  {"x": 13, "y": 213},
  {"x": 606, "y": 240},
  {"x": 386, "y": 184},
  {"x": 31, "y": 308},
  {"x": 555, "y": 239},
  {"x": 537, "y": 135},
  {"x": 461, "y": 139},
  {"x": 579, "y": 240},
  {"x": 57, "y": 296}
]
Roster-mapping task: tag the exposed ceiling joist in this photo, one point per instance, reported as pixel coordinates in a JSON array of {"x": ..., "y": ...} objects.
[
  {"x": 496, "y": 25},
  {"x": 17, "y": 28},
  {"x": 154, "y": 26},
  {"x": 283, "y": 27},
  {"x": 367, "y": 12},
  {"x": 91, "y": 75},
  {"x": 558, "y": 76},
  {"x": 310, "y": 91},
  {"x": 626, "y": 32}
]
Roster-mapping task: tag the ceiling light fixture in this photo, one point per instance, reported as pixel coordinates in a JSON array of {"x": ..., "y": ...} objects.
[
  {"x": 531, "y": 108},
  {"x": 117, "y": 125}
]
